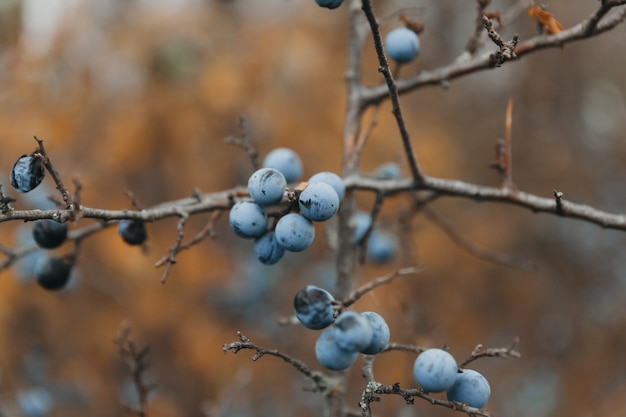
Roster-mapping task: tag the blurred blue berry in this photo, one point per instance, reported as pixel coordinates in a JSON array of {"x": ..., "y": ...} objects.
[
  {"x": 267, "y": 186},
  {"x": 34, "y": 402},
  {"x": 314, "y": 307},
  {"x": 318, "y": 201},
  {"x": 352, "y": 331},
  {"x": 381, "y": 246},
  {"x": 49, "y": 234},
  {"x": 402, "y": 45},
  {"x": 331, "y": 179},
  {"x": 329, "y": 4},
  {"x": 380, "y": 336},
  {"x": 388, "y": 171},
  {"x": 435, "y": 370},
  {"x": 27, "y": 173},
  {"x": 52, "y": 273},
  {"x": 286, "y": 161},
  {"x": 294, "y": 232},
  {"x": 470, "y": 388},
  {"x": 247, "y": 219},
  {"x": 267, "y": 250},
  {"x": 132, "y": 231},
  {"x": 330, "y": 355},
  {"x": 361, "y": 221}
]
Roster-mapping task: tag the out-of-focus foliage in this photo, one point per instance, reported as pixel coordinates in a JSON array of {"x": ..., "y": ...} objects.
[{"x": 139, "y": 95}]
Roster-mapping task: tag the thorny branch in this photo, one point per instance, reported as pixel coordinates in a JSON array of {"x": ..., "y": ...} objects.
[
  {"x": 599, "y": 22},
  {"x": 136, "y": 359},
  {"x": 386, "y": 279},
  {"x": 374, "y": 389},
  {"x": 321, "y": 382}
]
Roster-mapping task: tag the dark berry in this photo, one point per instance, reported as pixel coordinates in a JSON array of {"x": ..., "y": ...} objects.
[
  {"x": 27, "y": 173},
  {"x": 49, "y": 234},
  {"x": 52, "y": 273},
  {"x": 132, "y": 231}
]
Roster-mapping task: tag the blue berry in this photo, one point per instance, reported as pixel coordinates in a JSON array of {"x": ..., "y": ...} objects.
[
  {"x": 470, "y": 388},
  {"x": 27, "y": 173},
  {"x": 35, "y": 402},
  {"x": 330, "y": 355},
  {"x": 247, "y": 219},
  {"x": 388, "y": 171},
  {"x": 49, "y": 234},
  {"x": 52, "y": 273},
  {"x": 318, "y": 201},
  {"x": 314, "y": 307},
  {"x": 331, "y": 179},
  {"x": 435, "y": 370},
  {"x": 361, "y": 221},
  {"x": 329, "y": 4},
  {"x": 267, "y": 186},
  {"x": 267, "y": 250},
  {"x": 286, "y": 161},
  {"x": 380, "y": 337},
  {"x": 294, "y": 232},
  {"x": 402, "y": 45},
  {"x": 381, "y": 246},
  {"x": 352, "y": 331},
  {"x": 132, "y": 231}
]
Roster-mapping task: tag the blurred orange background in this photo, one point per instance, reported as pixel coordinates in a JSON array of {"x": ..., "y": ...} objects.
[{"x": 139, "y": 95}]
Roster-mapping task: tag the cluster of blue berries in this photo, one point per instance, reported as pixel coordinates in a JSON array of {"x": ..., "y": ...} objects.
[
  {"x": 435, "y": 370},
  {"x": 51, "y": 272},
  {"x": 346, "y": 335},
  {"x": 294, "y": 231}
]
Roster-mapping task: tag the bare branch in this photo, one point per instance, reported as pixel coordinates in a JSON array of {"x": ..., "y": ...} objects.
[
  {"x": 386, "y": 279},
  {"x": 393, "y": 91},
  {"x": 47, "y": 163},
  {"x": 479, "y": 252},
  {"x": 321, "y": 382},
  {"x": 504, "y": 353},
  {"x": 482, "y": 62}
]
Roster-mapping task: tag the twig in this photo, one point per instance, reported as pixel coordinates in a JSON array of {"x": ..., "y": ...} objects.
[
  {"x": 245, "y": 143},
  {"x": 482, "y": 62},
  {"x": 506, "y": 50},
  {"x": 385, "y": 279},
  {"x": 474, "y": 41},
  {"x": 504, "y": 353},
  {"x": 469, "y": 246},
  {"x": 321, "y": 382},
  {"x": 170, "y": 260},
  {"x": 47, "y": 163},
  {"x": 136, "y": 359},
  {"x": 393, "y": 91}
]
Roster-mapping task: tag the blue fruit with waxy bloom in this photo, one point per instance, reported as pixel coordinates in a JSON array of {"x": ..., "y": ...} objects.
[
  {"x": 331, "y": 179},
  {"x": 470, "y": 388},
  {"x": 330, "y": 355},
  {"x": 286, "y": 161},
  {"x": 247, "y": 219},
  {"x": 352, "y": 331},
  {"x": 294, "y": 232},
  {"x": 267, "y": 249},
  {"x": 402, "y": 45},
  {"x": 267, "y": 186},
  {"x": 27, "y": 173},
  {"x": 435, "y": 370},
  {"x": 380, "y": 333},
  {"x": 313, "y": 307},
  {"x": 318, "y": 202}
]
